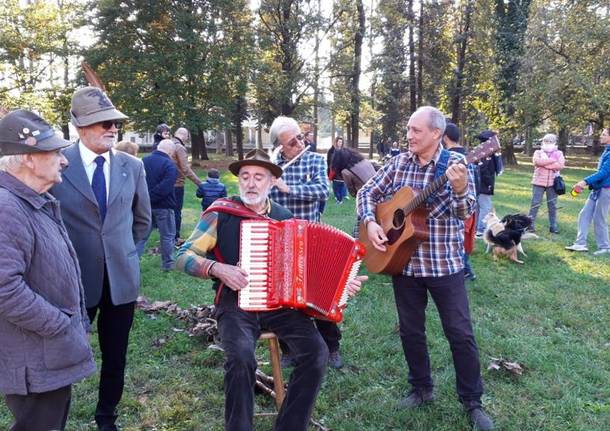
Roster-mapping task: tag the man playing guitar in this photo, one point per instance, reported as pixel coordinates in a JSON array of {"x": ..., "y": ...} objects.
[{"x": 436, "y": 265}]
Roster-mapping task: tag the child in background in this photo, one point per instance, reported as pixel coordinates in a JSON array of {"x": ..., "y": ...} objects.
[{"x": 211, "y": 189}]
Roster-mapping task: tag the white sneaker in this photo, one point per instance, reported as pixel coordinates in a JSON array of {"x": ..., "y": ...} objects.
[
  {"x": 601, "y": 251},
  {"x": 577, "y": 247}
]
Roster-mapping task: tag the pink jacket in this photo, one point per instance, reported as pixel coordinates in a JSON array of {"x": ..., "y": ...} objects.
[{"x": 547, "y": 167}]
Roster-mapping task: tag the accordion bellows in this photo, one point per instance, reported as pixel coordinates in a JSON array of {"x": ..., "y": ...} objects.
[{"x": 297, "y": 264}]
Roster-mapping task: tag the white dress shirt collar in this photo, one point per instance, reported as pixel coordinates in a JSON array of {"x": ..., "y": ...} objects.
[{"x": 89, "y": 156}]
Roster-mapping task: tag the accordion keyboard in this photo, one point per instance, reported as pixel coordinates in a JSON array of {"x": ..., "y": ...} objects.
[{"x": 255, "y": 238}]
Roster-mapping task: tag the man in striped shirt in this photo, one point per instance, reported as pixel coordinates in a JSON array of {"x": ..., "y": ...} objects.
[
  {"x": 302, "y": 188},
  {"x": 436, "y": 266}
]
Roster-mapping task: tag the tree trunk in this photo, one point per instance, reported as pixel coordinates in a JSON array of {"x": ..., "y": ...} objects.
[
  {"x": 239, "y": 142},
  {"x": 508, "y": 154},
  {"x": 355, "y": 81},
  {"x": 198, "y": 149},
  {"x": 238, "y": 115},
  {"x": 221, "y": 140},
  {"x": 456, "y": 98},
  {"x": 420, "y": 56},
  {"x": 316, "y": 88},
  {"x": 412, "y": 83},
  {"x": 289, "y": 53},
  {"x": 333, "y": 127},
  {"x": 596, "y": 147},
  {"x": 563, "y": 139},
  {"x": 529, "y": 144},
  {"x": 229, "y": 143},
  {"x": 65, "y": 130},
  {"x": 259, "y": 136},
  {"x": 374, "y": 81}
]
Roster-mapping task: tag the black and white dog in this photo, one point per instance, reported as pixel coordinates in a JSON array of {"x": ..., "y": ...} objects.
[{"x": 503, "y": 236}]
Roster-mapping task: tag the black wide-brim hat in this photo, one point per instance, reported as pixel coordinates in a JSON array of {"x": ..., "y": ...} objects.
[
  {"x": 23, "y": 132},
  {"x": 258, "y": 158}
]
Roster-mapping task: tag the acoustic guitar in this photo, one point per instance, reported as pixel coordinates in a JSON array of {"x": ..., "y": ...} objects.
[{"x": 403, "y": 220}]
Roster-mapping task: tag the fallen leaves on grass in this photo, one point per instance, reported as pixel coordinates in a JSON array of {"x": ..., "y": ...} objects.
[
  {"x": 498, "y": 364},
  {"x": 199, "y": 322}
]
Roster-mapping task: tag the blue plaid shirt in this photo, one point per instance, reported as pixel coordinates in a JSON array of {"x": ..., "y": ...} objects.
[
  {"x": 308, "y": 186},
  {"x": 441, "y": 254}
]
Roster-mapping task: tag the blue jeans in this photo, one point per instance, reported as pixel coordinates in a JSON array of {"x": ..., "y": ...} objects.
[
  {"x": 551, "y": 203},
  {"x": 179, "y": 195},
  {"x": 164, "y": 220},
  {"x": 485, "y": 206},
  {"x": 339, "y": 190},
  {"x": 467, "y": 267},
  {"x": 596, "y": 211}
]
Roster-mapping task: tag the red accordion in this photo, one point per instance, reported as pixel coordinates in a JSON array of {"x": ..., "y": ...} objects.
[{"x": 297, "y": 264}]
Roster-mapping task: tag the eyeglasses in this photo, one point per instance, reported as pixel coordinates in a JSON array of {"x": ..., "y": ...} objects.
[
  {"x": 297, "y": 140},
  {"x": 109, "y": 123}
]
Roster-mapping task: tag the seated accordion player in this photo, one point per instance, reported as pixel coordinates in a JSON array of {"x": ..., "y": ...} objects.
[{"x": 297, "y": 264}]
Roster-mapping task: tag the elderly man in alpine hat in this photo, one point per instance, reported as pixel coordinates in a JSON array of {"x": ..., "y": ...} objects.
[
  {"x": 106, "y": 208},
  {"x": 43, "y": 320}
]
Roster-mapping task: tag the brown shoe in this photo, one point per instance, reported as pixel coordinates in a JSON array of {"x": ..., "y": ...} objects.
[
  {"x": 335, "y": 360},
  {"x": 417, "y": 397},
  {"x": 479, "y": 419}
]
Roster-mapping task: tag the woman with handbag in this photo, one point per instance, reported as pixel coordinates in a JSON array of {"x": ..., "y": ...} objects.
[{"x": 548, "y": 162}]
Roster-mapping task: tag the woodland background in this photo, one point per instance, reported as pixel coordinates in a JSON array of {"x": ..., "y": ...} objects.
[{"x": 521, "y": 67}]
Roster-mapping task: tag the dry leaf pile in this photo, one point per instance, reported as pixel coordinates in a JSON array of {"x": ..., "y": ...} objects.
[
  {"x": 499, "y": 364},
  {"x": 198, "y": 322}
]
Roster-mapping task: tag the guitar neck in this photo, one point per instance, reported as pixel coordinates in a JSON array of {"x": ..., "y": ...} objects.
[
  {"x": 482, "y": 151},
  {"x": 436, "y": 184}
]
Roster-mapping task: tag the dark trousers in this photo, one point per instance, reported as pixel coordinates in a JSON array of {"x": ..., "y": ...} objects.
[
  {"x": 449, "y": 295},
  {"x": 179, "y": 195},
  {"x": 40, "y": 412},
  {"x": 330, "y": 332},
  {"x": 239, "y": 332},
  {"x": 113, "y": 325}
]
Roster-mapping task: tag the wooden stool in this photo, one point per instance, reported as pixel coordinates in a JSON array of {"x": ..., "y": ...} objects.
[{"x": 276, "y": 366}]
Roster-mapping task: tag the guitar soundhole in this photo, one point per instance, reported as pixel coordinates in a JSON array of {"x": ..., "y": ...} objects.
[{"x": 399, "y": 219}]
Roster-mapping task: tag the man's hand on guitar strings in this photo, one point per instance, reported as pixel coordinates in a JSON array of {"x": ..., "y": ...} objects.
[
  {"x": 457, "y": 173},
  {"x": 230, "y": 275},
  {"x": 376, "y": 236},
  {"x": 354, "y": 285}
]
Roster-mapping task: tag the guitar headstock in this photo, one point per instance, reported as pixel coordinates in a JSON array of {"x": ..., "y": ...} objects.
[{"x": 484, "y": 150}]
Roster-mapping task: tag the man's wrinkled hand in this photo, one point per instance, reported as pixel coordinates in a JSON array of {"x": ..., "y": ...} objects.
[
  {"x": 457, "y": 174},
  {"x": 233, "y": 276},
  {"x": 376, "y": 235},
  {"x": 355, "y": 285}
]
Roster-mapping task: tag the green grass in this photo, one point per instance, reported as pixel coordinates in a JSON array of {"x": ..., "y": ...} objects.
[{"x": 551, "y": 315}]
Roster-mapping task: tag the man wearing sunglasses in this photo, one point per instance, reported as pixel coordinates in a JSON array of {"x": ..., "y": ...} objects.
[
  {"x": 106, "y": 209},
  {"x": 302, "y": 188}
]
